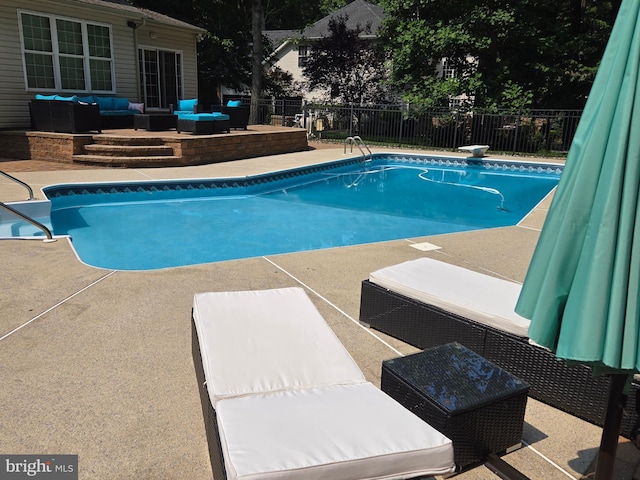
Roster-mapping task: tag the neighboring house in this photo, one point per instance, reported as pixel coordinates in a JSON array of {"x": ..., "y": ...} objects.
[
  {"x": 95, "y": 47},
  {"x": 292, "y": 48}
]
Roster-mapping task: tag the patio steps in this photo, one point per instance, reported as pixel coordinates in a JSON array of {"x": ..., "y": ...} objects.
[
  {"x": 127, "y": 152},
  {"x": 129, "y": 161}
]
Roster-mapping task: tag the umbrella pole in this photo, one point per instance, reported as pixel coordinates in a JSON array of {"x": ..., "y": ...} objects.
[{"x": 611, "y": 429}]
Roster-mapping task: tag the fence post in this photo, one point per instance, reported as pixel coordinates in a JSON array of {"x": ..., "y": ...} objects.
[
  {"x": 351, "y": 119},
  {"x": 305, "y": 112},
  {"x": 283, "y": 116},
  {"x": 401, "y": 123},
  {"x": 455, "y": 129},
  {"x": 515, "y": 135}
]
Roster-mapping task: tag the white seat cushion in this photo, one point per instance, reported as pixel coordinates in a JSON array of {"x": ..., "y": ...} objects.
[
  {"x": 266, "y": 341},
  {"x": 338, "y": 432},
  {"x": 482, "y": 298}
]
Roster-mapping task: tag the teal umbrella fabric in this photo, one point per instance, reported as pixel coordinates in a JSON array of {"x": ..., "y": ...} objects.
[{"x": 581, "y": 291}]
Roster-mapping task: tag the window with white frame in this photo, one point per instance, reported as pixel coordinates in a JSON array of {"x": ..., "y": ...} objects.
[
  {"x": 303, "y": 55},
  {"x": 66, "y": 54},
  {"x": 448, "y": 71}
]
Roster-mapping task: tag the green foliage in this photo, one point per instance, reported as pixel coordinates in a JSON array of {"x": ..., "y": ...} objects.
[
  {"x": 539, "y": 53},
  {"x": 349, "y": 68},
  {"x": 224, "y": 53}
]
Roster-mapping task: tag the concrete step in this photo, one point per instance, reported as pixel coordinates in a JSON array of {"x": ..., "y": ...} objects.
[
  {"x": 126, "y": 140},
  {"x": 128, "y": 150},
  {"x": 130, "y": 162}
]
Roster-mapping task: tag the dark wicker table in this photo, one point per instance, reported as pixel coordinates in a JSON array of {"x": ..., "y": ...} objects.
[
  {"x": 478, "y": 405},
  {"x": 154, "y": 121}
]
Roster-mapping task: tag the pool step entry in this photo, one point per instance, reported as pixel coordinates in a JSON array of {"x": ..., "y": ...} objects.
[
  {"x": 127, "y": 151},
  {"x": 358, "y": 142}
]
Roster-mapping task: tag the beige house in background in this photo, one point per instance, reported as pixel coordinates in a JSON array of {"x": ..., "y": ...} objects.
[
  {"x": 92, "y": 47},
  {"x": 292, "y": 48}
]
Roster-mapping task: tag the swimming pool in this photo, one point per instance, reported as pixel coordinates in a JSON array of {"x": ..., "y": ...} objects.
[{"x": 152, "y": 225}]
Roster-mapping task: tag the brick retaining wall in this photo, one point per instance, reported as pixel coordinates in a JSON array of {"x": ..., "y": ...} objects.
[{"x": 191, "y": 149}]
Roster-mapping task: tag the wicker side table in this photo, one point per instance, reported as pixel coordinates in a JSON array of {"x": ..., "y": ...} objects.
[
  {"x": 154, "y": 122},
  {"x": 478, "y": 405}
]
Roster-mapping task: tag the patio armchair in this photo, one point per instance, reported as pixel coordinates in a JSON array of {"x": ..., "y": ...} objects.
[
  {"x": 427, "y": 303},
  {"x": 238, "y": 113},
  {"x": 186, "y": 107},
  {"x": 283, "y": 399}
]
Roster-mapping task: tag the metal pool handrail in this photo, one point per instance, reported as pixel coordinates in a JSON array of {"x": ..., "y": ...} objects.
[
  {"x": 26, "y": 218},
  {"x": 358, "y": 142},
  {"x": 31, "y": 197},
  {"x": 33, "y": 222}
]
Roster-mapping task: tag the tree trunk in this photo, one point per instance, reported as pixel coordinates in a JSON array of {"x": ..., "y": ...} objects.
[{"x": 257, "y": 15}]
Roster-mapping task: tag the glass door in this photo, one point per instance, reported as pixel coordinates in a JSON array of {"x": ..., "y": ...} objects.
[{"x": 160, "y": 77}]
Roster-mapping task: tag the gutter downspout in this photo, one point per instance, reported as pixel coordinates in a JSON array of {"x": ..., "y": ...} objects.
[{"x": 133, "y": 25}]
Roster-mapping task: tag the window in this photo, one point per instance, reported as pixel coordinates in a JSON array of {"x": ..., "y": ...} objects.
[
  {"x": 65, "y": 54},
  {"x": 303, "y": 55},
  {"x": 448, "y": 71}
]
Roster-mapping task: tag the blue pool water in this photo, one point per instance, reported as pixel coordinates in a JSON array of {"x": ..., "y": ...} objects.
[{"x": 151, "y": 225}]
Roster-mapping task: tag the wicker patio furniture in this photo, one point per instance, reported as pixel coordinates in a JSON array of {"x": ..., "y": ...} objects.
[
  {"x": 427, "y": 303},
  {"x": 203, "y": 123},
  {"x": 475, "y": 403},
  {"x": 154, "y": 122},
  {"x": 64, "y": 116},
  {"x": 283, "y": 399},
  {"x": 238, "y": 115}
]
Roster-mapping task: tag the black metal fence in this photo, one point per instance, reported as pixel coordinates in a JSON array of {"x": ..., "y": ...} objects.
[{"x": 532, "y": 132}]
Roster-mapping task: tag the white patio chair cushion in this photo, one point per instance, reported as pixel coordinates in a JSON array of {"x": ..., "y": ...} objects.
[
  {"x": 479, "y": 297},
  {"x": 266, "y": 341},
  {"x": 339, "y": 432}
]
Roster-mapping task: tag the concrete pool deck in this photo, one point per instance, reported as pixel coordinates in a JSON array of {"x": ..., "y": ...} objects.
[{"x": 98, "y": 362}]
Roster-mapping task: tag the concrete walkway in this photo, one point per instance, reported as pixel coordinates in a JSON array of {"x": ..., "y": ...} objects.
[{"x": 98, "y": 362}]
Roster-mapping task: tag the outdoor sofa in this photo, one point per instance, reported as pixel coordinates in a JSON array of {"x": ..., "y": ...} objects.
[
  {"x": 112, "y": 112},
  {"x": 63, "y": 116},
  {"x": 426, "y": 302},
  {"x": 283, "y": 399}
]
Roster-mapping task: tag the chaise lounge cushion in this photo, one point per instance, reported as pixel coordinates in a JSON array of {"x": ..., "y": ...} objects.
[
  {"x": 483, "y": 298},
  {"x": 202, "y": 117},
  {"x": 253, "y": 342},
  {"x": 285, "y": 400},
  {"x": 345, "y": 432}
]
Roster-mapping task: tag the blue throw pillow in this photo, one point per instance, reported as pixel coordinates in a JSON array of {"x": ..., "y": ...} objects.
[
  {"x": 105, "y": 103},
  {"x": 88, "y": 99},
  {"x": 45, "y": 97},
  {"x": 187, "y": 105},
  {"x": 234, "y": 103},
  {"x": 66, "y": 99},
  {"x": 120, "y": 103}
]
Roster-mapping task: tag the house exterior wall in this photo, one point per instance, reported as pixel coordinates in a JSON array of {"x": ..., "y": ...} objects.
[
  {"x": 287, "y": 60},
  {"x": 14, "y": 94}
]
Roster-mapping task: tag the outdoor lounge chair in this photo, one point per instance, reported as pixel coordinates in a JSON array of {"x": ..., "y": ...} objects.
[
  {"x": 238, "y": 113},
  {"x": 283, "y": 399},
  {"x": 427, "y": 303}
]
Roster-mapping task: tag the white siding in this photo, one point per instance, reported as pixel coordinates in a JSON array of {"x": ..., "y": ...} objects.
[
  {"x": 287, "y": 60},
  {"x": 14, "y": 96}
]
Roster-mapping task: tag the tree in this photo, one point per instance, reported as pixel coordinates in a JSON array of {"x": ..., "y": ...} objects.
[
  {"x": 350, "y": 68},
  {"x": 257, "y": 19},
  {"x": 541, "y": 53},
  {"x": 232, "y": 49}
]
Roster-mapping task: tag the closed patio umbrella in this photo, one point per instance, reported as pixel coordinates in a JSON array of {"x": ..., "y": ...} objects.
[{"x": 581, "y": 291}]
